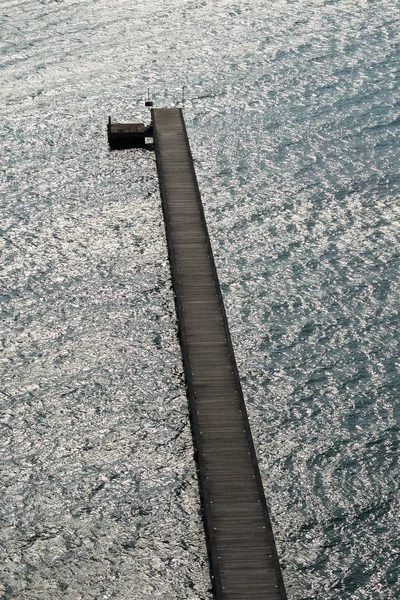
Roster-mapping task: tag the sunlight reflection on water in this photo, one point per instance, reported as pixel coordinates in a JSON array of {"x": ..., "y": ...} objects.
[{"x": 292, "y": 116}]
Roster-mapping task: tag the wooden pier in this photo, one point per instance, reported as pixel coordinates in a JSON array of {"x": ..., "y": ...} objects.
[{"x": 243, "y": 557}]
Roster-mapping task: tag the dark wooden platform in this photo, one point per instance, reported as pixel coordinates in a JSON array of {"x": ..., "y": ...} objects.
[{"x": 244, "y": 562}]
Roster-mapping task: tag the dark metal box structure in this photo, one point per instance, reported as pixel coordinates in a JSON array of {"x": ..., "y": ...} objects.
[{"x": 128, "y": 135}]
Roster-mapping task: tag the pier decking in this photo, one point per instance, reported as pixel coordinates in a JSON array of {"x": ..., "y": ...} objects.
[{"x": 242, "y": 551}]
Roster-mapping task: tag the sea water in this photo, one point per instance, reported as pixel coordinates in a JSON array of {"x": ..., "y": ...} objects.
[{"x": 292, "y": 112}]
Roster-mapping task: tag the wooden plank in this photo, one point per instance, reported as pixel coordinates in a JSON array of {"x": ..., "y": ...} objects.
[{"x": 243, "y": 558}]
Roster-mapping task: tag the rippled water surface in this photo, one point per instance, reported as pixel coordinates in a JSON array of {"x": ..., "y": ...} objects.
[{"x": 292, "y": 111}]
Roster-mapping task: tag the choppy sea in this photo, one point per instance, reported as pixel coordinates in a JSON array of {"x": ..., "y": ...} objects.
[{"x": 292, "y": 109}]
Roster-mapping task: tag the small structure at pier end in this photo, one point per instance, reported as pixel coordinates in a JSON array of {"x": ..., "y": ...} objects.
[{"x": 128, "y": 135}]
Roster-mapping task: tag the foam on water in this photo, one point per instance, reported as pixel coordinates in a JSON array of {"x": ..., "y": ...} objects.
[{"x": 292, "y": 113}]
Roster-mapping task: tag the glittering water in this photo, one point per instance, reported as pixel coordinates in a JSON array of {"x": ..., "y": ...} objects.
[{"x": 292, "y": 111}]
